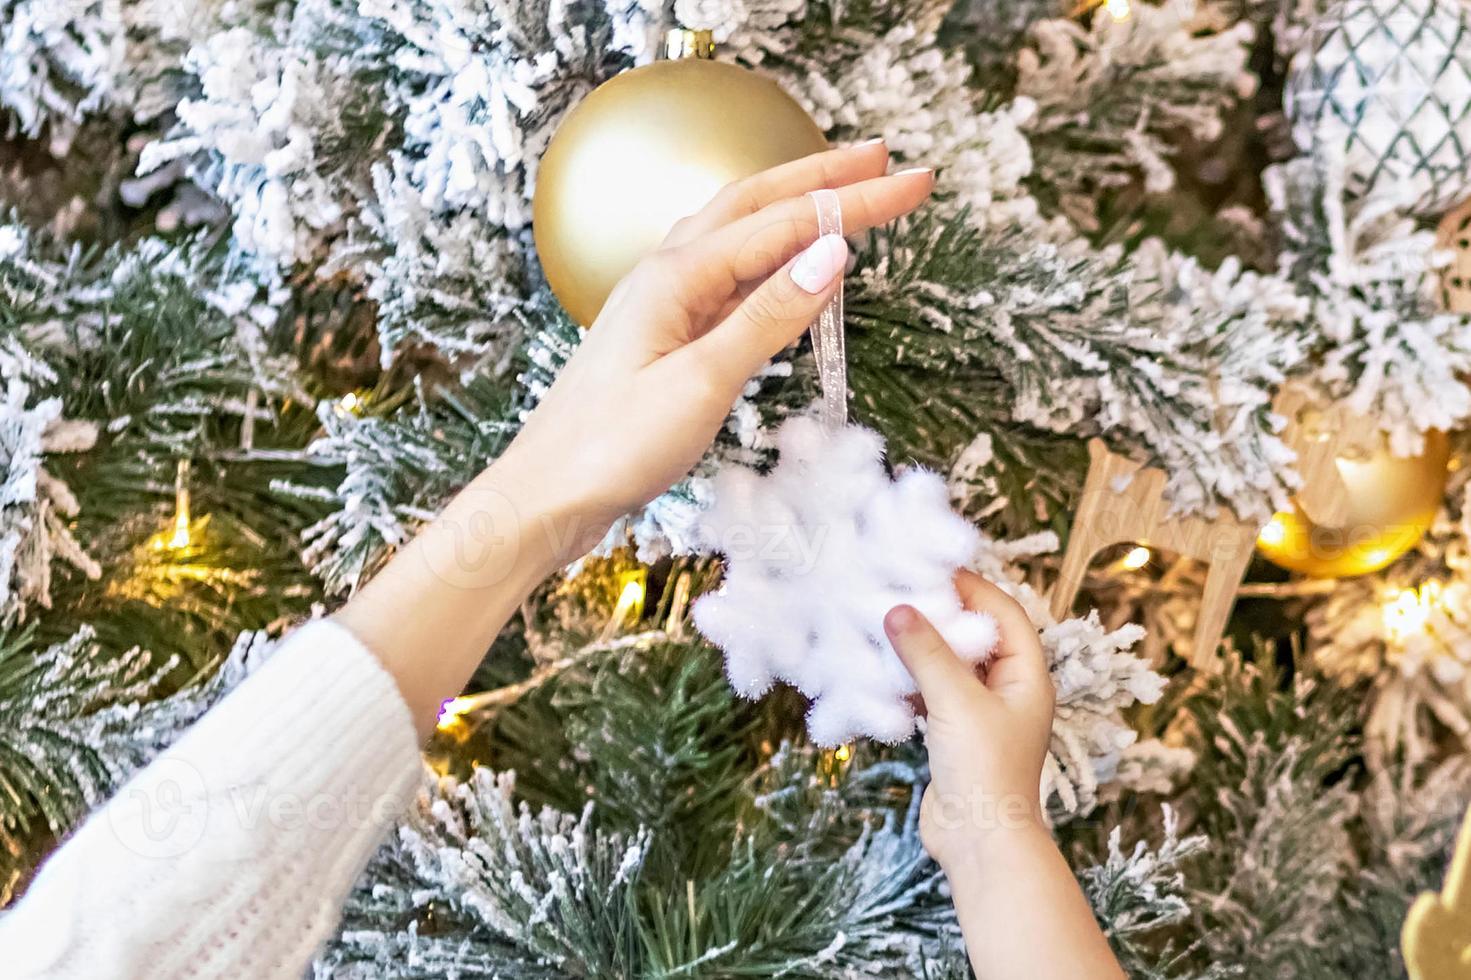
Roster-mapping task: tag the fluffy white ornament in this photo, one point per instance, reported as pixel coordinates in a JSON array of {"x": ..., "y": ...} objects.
[
  {"x": 1387, "y": 84},
  {"x": 817, "y": 551}
]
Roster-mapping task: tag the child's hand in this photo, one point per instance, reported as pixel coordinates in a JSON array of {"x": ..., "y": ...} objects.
[
  {"x": 987, "y": 735},
  {"x": 1019, "y": 907},
  {"x": 681, "y": 335}
]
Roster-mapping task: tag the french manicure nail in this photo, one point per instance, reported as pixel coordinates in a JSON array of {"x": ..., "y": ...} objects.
[
  {"x": 820, "y": 263},
  {"x": 876, "y": 139},
  {"x": 914, "y": 170}
]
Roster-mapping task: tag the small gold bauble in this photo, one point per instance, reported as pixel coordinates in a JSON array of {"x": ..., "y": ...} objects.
[
  {"x": 644, "y": 150},
  {"x": 1391, "y": 503}
]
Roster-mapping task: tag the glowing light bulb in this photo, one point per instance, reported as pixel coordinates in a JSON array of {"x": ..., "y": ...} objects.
[
  {"x": 1119, "y": 10},
  {"x": 1274, "y": 533},
  {"x": 180, "y": 538},
  {"x": 1408, "y": 611},
  {"x": 633, "y": 586},
  {"x": 630, "y": 604},
  {"x": 843, "y": 753},
  {"x": 348, "y": 402},
  {"x": 452, "y": 712},
  {"x": 1136, "y": 559},
  {"x": 631, "y": 598}
]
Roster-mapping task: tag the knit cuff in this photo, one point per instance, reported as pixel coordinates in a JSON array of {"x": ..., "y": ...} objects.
[{"x": 234, "y": 850}]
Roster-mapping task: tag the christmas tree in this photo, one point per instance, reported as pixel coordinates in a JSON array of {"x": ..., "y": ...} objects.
[{"x": 269, "y": 295}]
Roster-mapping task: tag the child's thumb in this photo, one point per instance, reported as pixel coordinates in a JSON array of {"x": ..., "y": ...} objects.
[{"x": 942, "y": 677}]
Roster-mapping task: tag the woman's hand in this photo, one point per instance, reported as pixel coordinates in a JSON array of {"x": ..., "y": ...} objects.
[
  {"x": 630, "y": 413},
  {"x": 679, "y": 337},
  {"x": 1020, "y": 909},
  {"x": 986, "y": 735}
]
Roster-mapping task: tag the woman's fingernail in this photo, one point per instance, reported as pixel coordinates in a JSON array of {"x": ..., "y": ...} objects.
[
  {"x": 820, "y": 263},
  {"x": 914, "y": 170},
  {"x": 876, "y": 139}
]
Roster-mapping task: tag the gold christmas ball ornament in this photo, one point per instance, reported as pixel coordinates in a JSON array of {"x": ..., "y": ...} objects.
[
  {"x": 645, "y": 149},
  {"x": 1390, "y": 503}
]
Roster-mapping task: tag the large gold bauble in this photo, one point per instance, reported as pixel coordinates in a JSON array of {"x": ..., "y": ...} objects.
[
  {"x": 644, "y": 150},
  {"x": 1391, "y": 503}
]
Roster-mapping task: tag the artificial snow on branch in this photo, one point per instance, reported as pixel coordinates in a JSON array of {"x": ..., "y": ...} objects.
[
  {"x": 1142, "y": 893},
  {"x": 276, "y": 130},
  {"x": 77, "y": 719},
  {"x": 526, "y": 893},
  {"x": 396, "y": 473},
  {"x": 35, "y": 507},
  {"x": 58, "y": 62},
  {"x": 454, "y": 280},
  {"x": 1112, "y": 96},
  {"x": 1406, "y": 633},
  {"x": 442, "y": 238},
  {"x": 1369, "y": 274},
  {"x": 1171, "y": 361}
]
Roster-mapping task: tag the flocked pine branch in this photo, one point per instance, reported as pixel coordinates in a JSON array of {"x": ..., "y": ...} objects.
[
  {"x": 1113, "y": 96},
  {"x": 35, "y": 507},
  {"x": 75, "y": 721},
  {"x": 1370, "y": 275},
  {"x": 1403, "y": 636},
  {"x": 1096, "y": 678},
  {"x": 161, "y": 352},
  {"x": 395, "y": 473},
  {"x": 878, "y": 69},
  {"x": 1141, "y": 895},
  {"x": 63, "y": 62},
  {"x": 443, "y": 238},
  {"x": 58, "y": 62},
  {"x": 279, "y": 127},
  {"x": 1410, "y": 818},
  {"x": 1172, "y": 362},
  {"x": 477, "y": 885},
  {"x": 1269, "y": 790},
  {"x": 991, "y": 32}
]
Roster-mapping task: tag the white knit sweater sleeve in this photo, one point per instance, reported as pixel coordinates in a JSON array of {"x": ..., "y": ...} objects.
[{"x": 232, "y": 853}]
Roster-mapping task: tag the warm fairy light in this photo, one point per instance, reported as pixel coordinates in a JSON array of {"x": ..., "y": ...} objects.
[
  {"x": 452, "y": 712},
  {"x": 1117, "y": 9},
  {"x": 349, "y": 402},
  {"x": 831, "y": 764},
  {"x": 1408, "y": 611},
  {"x": 633, "y": 589},
  {"x": 1136, "y": 559},
  {"x": 1274, "y": 533},
  {"x": 180, "y": 538}
]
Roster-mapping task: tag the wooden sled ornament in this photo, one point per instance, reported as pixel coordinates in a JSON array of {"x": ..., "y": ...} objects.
[
  {"x": 1123, "y": 501},
  {"x": 1436, "y": 939}
]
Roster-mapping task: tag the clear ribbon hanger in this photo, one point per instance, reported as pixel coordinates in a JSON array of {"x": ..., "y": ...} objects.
[{"x": 827, "y": 330}]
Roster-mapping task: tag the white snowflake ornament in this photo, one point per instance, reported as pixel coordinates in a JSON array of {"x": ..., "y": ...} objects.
[{"x": 817, "y": 551}]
